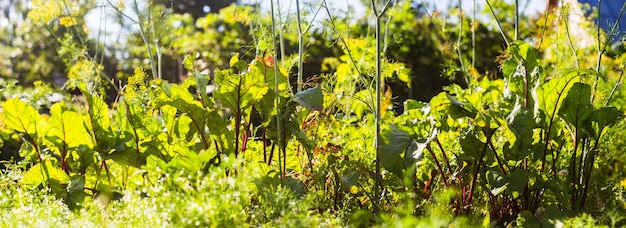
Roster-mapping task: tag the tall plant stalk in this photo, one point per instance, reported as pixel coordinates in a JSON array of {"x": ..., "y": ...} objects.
[
  {"x": 474, "y": 7},
  {"x": 377, "y": 137},
  {"x": 516, "y": 19},
  {"x": 458, "y": 44},
  {"x": 281, "y": 38},
  {"x": 506, "y": 40},
  {"x": 154, "y": 65},
  {"x": 279, "y": 130},
  {"x": 301, "y": 33}
]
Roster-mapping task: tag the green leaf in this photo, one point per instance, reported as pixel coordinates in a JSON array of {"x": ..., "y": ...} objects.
[
  {"x": 604, "y": 117},
  {"x": 312, "y": 98},
  {"x": 98, "y": 111},
  {"x": 40, "y": 173},
  {"x": 349, "y": 178},
  {"x": 393, "y": 149},
  {"x": 240, "y": 65},
  {"x": 188, "y": 61},
  {"x": 551, "y": 93},
  {"x": 219, "y": 131},
  {"x": 527, "y": 219},
  {"x": 294, "y": 128},
  {"x": 471, "y": 145},
  {"x": 411, "y": 104},
  {"x": 67, "y": 126},
  {"x": 576, "y": 107},
  {"x": 295, "y": 185},
  {"x": 496, "y": 182},
  {"x": 520, "y": 125},
  {"x": 517, "y": 182},
  {"x": 459, "y": 109},
  {"x": 239, "y": 91},
  {"x": 21, "y": 117},
  {"x": 75, "y": 191}
]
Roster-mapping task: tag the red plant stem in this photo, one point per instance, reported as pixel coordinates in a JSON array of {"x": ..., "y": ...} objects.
[
  {"x": 500, "y": 165},
  {"x": 264, "y": 147},
  {"x": 106, "y": 169},
  {"x": 445, "y": 157},
  {"x": 476, "y": 170},
  {"x": 588, "y": 174},
  {"x": 443, "y": 175},
  {"x": 574, "y": 195},
  {"x": 269, "y": 161},
  {"x": 238, "y": 117}
]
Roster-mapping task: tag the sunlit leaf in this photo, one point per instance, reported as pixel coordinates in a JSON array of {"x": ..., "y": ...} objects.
[
  {"x": 20, "y": 117},
  {"x": 67, "y": 126},
  {"x": 41, "y": 172}
]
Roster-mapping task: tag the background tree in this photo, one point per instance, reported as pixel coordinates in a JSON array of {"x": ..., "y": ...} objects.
[{"x": 196, "y": 8}]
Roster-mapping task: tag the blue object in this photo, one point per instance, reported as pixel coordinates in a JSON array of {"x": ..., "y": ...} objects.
[{"x": 609, "y": 14}]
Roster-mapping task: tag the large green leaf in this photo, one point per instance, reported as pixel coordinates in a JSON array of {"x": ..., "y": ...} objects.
[
  {"x": 517, "y": 181},
  {"x": 576, "y": 107},
  {"x": 42, "y": 172},
  {"x": 99, "y": 112},
  {"x": 522, "y": 74},
  {"x": 349, "y": 178},
  {"x": 472, "y": 146},
  {"x": 520, "y": 124},
  {"x": 67, "y": 126},
  {"x": 239, "y": 91},
  {"x": 393, "y": 149},
  {"x": 552, "y": 93},
  {"x": 460, "y": 109},
  {"x": 496, "y": 182},
  {"x": 221, "y": 133},
  {"x": 21, "y": 117},
  {"x": 399, "y": 152},
  {"x": 527, "y": 219}
]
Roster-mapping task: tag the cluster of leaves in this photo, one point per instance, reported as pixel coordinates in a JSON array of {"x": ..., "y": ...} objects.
[{"x": 524, "y": 143}]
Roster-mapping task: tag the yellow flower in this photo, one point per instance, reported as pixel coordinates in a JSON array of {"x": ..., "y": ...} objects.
[
  {"x": 623, "y": 183},
  {"x": 67, "y": 21},
  {"x": 44, "y": 11},
  {"x": 120, "y": 5},
  {"x": 84, "y": 69}
]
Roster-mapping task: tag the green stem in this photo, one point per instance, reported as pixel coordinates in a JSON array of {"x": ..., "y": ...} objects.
[
  {"x": 377, "y": 137},
  {"x": 516, "y": 19},
  {"x": 459, "y": 52},
  {"x": 301, "y": 33},
  {"x": 279, "y": 129},
  {"x": 497, "y": 23}
]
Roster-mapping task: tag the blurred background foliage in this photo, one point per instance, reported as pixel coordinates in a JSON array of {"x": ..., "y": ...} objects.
[{"x": 422, "y": 40}]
